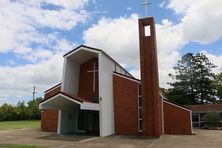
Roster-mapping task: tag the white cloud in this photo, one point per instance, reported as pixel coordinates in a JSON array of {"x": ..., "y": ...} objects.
[
  {"x": 64, "y": 46},
  {"x": 162, "y": 4},
  {"x": 129, "y": 8},
  {"x": 201, "y": 19},
  {"x": 216, "y": 60},
  {"x": 119, "y": 38},
  {"x": 70, "y": 4},
  {"x": 21, "y": 22},
  {"x": 22, "y": 33},
  {"x": 20, "y": 80}
]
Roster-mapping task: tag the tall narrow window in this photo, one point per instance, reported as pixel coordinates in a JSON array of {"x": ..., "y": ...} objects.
[
  {"x": 147, "y": 30},
  {"x": 139, "y": 108}
]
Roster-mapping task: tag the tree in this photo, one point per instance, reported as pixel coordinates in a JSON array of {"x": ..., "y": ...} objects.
[
  {"x": 183, "y": 86},
  {"x": 6, "y": 112},
  {"x": 203, "y": 79},
  {"x": 21, "y": 111},
  {"x": 193, "y": 80},
  {"x": 211, "y": 119},
  {"x": 33, "y": 109},
  {"x": 218, "y": 86}
]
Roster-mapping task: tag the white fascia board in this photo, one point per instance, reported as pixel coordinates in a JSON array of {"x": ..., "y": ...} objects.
[
  {"x": 63, "y": 73},
  {"x": 90, "y": 106},
  {"x": 82, "y": 48},
  {"x": 58, "y": 95},
  {"x": 191, "y": 122},
  {"x": 84, "y": 105},
  {"x": 177, "y": 106},
  {"x": 126, "y": 77}
]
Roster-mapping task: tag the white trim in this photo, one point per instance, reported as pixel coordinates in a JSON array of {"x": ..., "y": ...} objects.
[
  {"x": 191, "y": 122},
  {"x": 125, "y": 77},
  {"x": 51, "y": 89},
  {"x": 77, "y": 102},
  {"x": 59, "y": 123},
  {"x": 90, "y": 106},
  {"x": 83, "y": 105},
  {"x": 63, "y": 74},
  {"x": 177, "y": 106},
  {"x": 81, "y": 48}
]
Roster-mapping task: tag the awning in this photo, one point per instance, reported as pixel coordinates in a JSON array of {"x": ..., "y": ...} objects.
[{"x": 63, "y": 101}]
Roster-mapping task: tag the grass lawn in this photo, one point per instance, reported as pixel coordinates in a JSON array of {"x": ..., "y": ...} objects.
[
  {"x": 5, "y": 125},
  {"x": 18, "y": 146}
]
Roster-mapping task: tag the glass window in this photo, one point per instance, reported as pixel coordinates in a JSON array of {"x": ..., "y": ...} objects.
[
  {"x": 195, "y": 118},
  {"x": 140, "y": 125},
  {"x": 140, "y": 101},
  {"x": 140, "y": 113},
  {"x": 139, "y": 89}
]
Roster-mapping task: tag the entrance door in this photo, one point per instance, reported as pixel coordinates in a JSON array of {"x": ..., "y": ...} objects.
[
  {"x": 88, "y": 121},
  {"x": 92, "y": 122}
]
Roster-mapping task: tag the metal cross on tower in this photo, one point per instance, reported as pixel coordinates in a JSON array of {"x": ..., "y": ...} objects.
[
  {"x": 94, "y": 75},
  {"x": 145, "y": 4}
]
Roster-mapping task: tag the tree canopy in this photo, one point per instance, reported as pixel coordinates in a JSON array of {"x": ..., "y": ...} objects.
[
  {"x": 193, "y": 80},
  {"x": 21, "y": 111}
]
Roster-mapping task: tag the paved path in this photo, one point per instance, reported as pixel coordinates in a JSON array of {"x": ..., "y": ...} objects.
[{"x": 203, "y": 139}]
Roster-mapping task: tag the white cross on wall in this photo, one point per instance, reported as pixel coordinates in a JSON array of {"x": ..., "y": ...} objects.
[{"x": 94, "y": 75}]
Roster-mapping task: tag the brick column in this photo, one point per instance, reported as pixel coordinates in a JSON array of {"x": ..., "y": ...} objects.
[{"x": 151, "y": 105}]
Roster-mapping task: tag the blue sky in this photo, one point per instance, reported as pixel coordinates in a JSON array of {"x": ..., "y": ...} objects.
[{"x": 35, "y": 34}]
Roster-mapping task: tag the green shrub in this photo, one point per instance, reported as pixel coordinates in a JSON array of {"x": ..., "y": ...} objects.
[{"x": 211, "y": 119}]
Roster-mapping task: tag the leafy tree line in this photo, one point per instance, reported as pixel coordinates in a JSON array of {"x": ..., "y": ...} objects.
[
  {"x": 21, "y": 111},
  {"x": 194, "y": 81}
]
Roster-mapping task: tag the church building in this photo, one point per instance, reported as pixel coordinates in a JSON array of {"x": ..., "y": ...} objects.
[{"x": 97, "y": 96}]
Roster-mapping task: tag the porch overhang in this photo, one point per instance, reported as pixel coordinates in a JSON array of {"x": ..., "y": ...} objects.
[{"x": 62, "y": 101}]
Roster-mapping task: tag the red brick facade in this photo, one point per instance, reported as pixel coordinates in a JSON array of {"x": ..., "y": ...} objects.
[
  {"x": 49, "y": 120},
  {"x": 52, "y": 92},
  {"x": 151, "y": 107},
  {"x": 176, "y": 119},
  {"x": 125, "y": 93},
  {"x": 86, "y": 80}
]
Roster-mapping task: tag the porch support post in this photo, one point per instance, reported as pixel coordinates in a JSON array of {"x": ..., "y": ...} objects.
[{"x": 59, "y": 123}]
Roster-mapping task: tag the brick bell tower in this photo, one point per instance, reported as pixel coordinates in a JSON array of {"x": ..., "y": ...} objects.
[{"x": 151, "y": 103}]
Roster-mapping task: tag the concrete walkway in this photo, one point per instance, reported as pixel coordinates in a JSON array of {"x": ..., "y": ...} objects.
[{"x": 202, "y": 139}]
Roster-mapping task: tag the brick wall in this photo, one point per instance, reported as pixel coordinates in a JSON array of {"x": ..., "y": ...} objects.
[
  {"x": 176, "y": 120},
  {"x": 52, "y": 92},
  {"x": 49, "y": 120},
  {"x": 125, "y": 105},
  {"x": 151, "y": 107},
  {"x": 86, "y": 80}
]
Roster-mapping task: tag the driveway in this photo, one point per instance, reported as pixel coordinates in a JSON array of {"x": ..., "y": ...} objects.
[{"x": 202, "y": 139}]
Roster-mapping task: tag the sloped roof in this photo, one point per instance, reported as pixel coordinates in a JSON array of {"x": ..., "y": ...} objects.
[
  {"x": 96, "y": 49},
  {"x": 73, "y": 97},
  {"x": 205, "y": 107}
]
